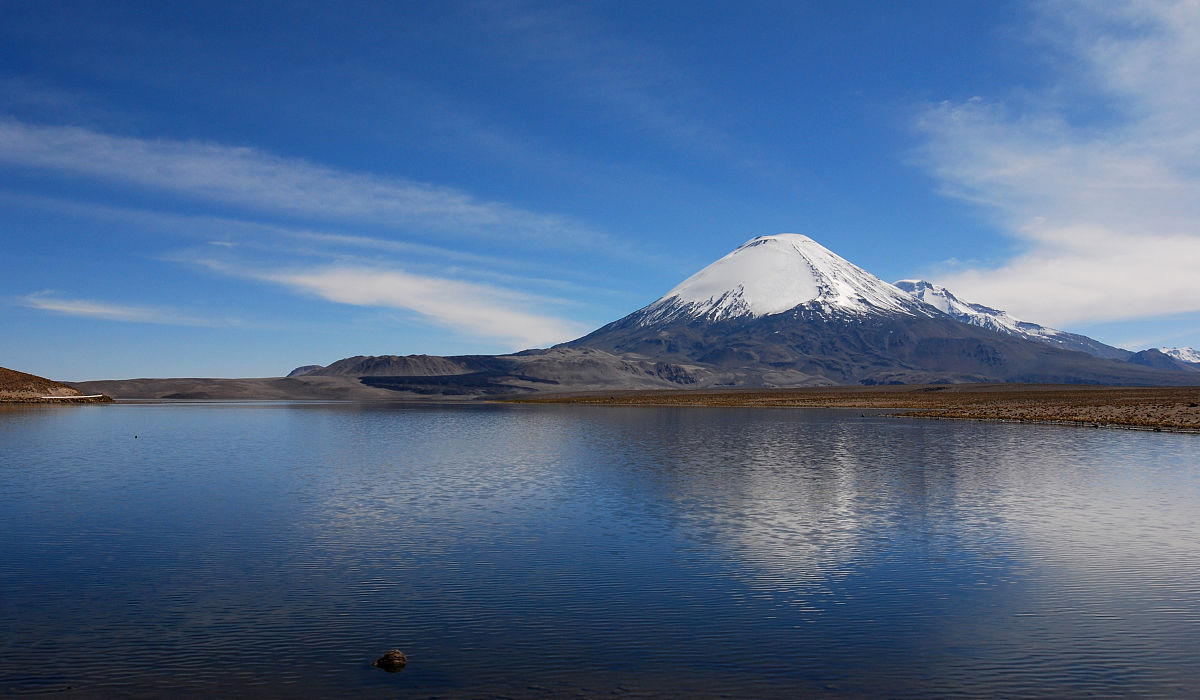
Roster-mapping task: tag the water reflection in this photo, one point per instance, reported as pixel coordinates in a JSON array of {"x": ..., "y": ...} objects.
[{"x": 548, "y": 551}]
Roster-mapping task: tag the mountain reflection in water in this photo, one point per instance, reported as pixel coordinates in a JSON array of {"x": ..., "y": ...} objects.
[{"x": 547, "y": 551}]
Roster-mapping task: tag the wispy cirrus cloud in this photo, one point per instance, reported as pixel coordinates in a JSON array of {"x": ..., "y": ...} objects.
[
  {"x": 632, "y": 83},
  {"x": 260, "y": 181},
  {"x": 276, "y": 239},
  {"x": 109, "y": 311},
  {"x": 522, "y": 301},
  {"x": 1096, "y": 176},
  {"x": 471, "y": 309},
  {"x": 474, "y": 310}
]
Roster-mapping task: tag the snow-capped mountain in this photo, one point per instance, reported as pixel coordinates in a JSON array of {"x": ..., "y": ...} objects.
[
  {"x": 1190, "y": 355},
  {"x": 772, "y": 274},
  {"x": 778, "y": 311},
  {"x": 783, "y": 310},
  {"x": 945, "y": 301}
]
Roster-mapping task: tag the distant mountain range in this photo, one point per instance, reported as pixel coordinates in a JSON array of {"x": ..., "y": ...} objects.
[{"x": 777, "y": 311}]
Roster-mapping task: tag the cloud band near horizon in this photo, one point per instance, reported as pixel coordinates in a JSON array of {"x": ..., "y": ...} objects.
[
  {"x": 108, "y": 311},
  {"x": 1105, "y": 208},
  {"x": 467, "y": 308}
]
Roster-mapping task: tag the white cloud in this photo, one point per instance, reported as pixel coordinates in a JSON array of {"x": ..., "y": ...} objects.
[
  {"x": 507, "y": 297},
  {"x": 261, "y": 181},
  {"x": 108, "y": 311},
  {"x": 471, "y": 309},
  {"x": 1096, "y": 177}
]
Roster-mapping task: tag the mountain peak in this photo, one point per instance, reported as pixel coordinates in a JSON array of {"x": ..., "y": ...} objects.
[
  {"x": 944, "y": 300},
  {"x": 771, "y": 274},
  {"x": 793, "y": 238},
  {"x": 1190, "y": 355}
]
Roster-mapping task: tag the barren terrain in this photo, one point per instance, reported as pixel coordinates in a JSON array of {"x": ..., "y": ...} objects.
[
  {"x": 1148, "y": 408},
  {"x": 19, "y": 387}
]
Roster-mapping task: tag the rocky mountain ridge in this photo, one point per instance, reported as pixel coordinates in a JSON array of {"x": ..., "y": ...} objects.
[
  {"x": 1176, "y": 359},
  {"x": 945, "y": 301}
]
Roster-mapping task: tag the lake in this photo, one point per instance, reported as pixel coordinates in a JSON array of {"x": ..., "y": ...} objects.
[{"x": 277, "y": 549}]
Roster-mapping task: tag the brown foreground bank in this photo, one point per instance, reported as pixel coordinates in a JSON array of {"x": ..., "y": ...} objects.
[
  {"x": 20, "y": 387},
  {"x": 1148, "y": 408}
]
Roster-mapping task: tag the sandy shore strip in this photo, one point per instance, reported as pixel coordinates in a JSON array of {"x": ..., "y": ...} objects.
[{"x": 1175, "y": 409}]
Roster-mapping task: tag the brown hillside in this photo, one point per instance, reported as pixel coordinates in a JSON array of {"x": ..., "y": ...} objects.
[{"x": 29, "y": 388}]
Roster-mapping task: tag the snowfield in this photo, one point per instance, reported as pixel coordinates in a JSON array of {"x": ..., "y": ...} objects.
[
  {"x": 772, "y": 274},
  {"x": 1185, "y": 354}
]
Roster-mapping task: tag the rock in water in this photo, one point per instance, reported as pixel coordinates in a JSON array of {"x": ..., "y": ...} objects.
[{"x": 393, "y": 661}]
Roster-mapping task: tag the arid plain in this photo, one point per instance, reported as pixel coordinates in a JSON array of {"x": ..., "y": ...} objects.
[{"x": 1146, "y": 408}]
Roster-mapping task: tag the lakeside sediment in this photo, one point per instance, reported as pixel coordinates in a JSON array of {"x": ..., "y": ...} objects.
[
  {"x": 1147, "y": 408},
  {"x": 6, "y": 398}
]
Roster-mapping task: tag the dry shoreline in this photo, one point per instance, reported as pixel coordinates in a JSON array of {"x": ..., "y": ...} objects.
[
  {"x": 23, "y": 388},
  {"x": 1174, "y": 409},
  {"x": 17, "y": 400}
]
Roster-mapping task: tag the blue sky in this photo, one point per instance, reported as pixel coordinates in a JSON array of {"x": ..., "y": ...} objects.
[{"x": 236, "y": 189}]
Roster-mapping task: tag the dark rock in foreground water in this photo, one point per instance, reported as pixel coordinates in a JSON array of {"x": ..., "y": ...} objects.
[{"x": 393, "y": 661}]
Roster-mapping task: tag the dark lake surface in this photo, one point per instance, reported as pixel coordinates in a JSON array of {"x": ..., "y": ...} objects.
[{"x": 541, "y": 551}]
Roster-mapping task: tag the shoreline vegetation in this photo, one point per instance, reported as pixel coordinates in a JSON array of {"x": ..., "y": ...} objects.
[{"x": 1173, "y": 409}]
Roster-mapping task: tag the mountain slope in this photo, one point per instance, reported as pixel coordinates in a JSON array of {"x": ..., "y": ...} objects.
[
  {"x": 392, "y": 365},
  {"x": 945, "y": 301},
  {"x": 398, "y": 377},
  {"x": 1188, "y": 355},
  {"x": 1160, "y": 360},
  {"x": 29, "y": 388},
  {"x": 844, "y": 326}
]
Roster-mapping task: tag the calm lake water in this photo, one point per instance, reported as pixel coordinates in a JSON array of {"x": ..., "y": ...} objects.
[{"x": 541, "y": 551}]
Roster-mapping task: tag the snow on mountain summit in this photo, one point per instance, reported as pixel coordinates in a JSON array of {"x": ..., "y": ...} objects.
[
  {"x": 772, "y": 274},
  {"x": 1190, "y": 355}
]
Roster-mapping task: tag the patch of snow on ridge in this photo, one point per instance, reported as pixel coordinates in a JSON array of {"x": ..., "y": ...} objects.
[
  {"x": 943, "y": 300},
  {"x": 772, "y": 274},
  {"x": 1184, "y": 354},
  {"x": 962, "y": 311}
]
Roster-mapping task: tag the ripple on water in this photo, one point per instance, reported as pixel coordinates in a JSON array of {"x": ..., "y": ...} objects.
[{"x": 276, "y": 550}]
